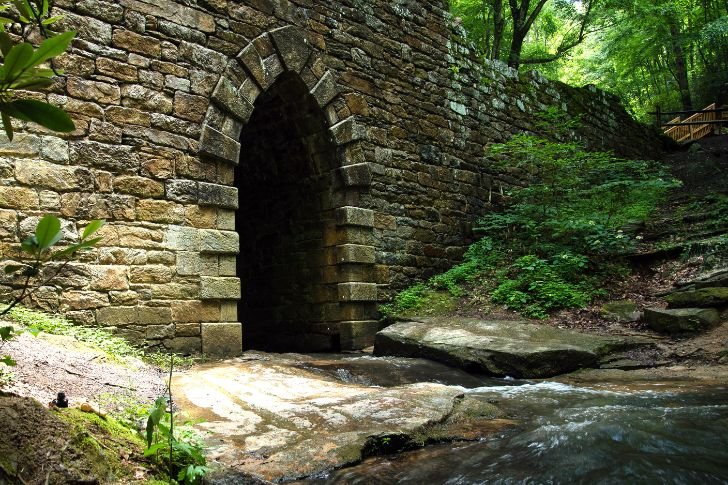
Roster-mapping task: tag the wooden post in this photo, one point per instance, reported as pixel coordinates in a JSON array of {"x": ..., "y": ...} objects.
[{"x": 658, "y": 117}]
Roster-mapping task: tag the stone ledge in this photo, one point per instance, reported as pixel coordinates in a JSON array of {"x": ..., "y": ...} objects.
[
  {"x": 354, "y": 216},
  {"x": 219, "y": 146},
  {"x": 219, "y": 288},
  {"x": 222, "y": 339},
  {"x": 357, "y": 292},
  {"x": 347, "y": 131},
  {"x": 359, "y": 175}
]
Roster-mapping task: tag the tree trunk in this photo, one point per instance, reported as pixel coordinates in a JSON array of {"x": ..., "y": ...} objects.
[
  {"x": 499, "y": 25},
  {"x": 681, "y": 72}
]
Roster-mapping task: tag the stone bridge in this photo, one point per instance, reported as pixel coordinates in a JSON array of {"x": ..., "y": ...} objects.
[{"x": 286, "y": 164}]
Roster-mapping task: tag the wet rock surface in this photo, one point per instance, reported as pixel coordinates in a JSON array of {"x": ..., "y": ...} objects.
[
  {"x": 268, "y": 418},
  {"x": 498, "y": 348}
]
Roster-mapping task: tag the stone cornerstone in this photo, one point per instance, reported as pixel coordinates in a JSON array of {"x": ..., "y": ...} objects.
[{"x": 284, "y": 164}]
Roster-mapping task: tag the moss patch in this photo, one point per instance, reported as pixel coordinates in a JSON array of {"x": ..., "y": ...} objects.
[{"x": 39, "y": 445}]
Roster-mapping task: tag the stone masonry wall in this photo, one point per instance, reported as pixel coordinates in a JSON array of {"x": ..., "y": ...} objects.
[{"x": 376, "y": 107}]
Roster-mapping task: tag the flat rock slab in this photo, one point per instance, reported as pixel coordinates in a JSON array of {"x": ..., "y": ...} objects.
[
  {"x": 702, "y": 297},
  {"x": 268, "y": 417},
  {"x": 498, "y": 348},
  {"x": 682, "y": 320}
]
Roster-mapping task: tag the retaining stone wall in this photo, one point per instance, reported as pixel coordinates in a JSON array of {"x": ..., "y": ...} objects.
[{"x": 377, "y": 108}]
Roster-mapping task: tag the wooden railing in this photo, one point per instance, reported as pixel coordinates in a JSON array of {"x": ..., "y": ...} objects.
[{"x": 697, "y": 125}]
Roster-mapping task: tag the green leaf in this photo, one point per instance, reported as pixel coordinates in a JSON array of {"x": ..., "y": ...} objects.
[
  {"x": 52, "y": 47},
  {"x": 42, "y": 113},
  {"x": 92, "y": 227},
  {"x": 7, "y": 124},
  {"x": 24, "y": 10},
  {"x": 17, "y": 59},
  {"x": 150, "y": 431},
  {"x": 5, "y": 42},
  {"x": 29, "y": 245},
  {"x": 6, "y": 333},
  {"x": 7, "y": 360},
  {"x": 48, "y": 232},
  {"x": 45, "y": 5},
  {"x": 51, "y": 20},
  {"x": 32, "y": 83}
]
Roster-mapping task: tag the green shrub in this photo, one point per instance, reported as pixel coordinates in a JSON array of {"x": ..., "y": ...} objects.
[{"x": 559, "y": 237}]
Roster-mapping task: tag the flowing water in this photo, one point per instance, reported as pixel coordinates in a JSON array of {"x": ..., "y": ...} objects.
[{"x": 601, "y": 435}]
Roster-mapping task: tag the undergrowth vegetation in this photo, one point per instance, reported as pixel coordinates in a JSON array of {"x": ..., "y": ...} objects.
[{"x": 560, "y": 235}]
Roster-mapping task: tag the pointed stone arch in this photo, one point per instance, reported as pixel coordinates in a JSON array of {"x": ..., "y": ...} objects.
[{"x": 350, "y": 317}]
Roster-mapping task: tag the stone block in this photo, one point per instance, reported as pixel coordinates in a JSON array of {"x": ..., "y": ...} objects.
[
  {"x": 187, "y": 329},
  {"x": 226, "y": 96},
  {"x": 222, "y": 339},
  {"x": 357, "y": 335},
  {"x": 228, "y": 265},
  {"x": 84, "y": 300},
  {"x": 219, "y": 288},
  {"x": 217, "y": 195},
  {"x": 347, "y": 131},
  {"x": 174, "y": 12},
  {"x": 252, "y": 61},
  {"x": 357, "y": 291},
  {"x": 128, "y": 116},
  {"x": 219, "y": 242},
  {"x": 358, "y": 175},
  {"x": 131, "y": 41},
  {"x": 60, "y": 178},
  {"x": 195, "y": 311},
  {"x": 18, "y": 198},
  {"x": 190, "y": 107},
  {"x": 156, "y": 332},
  {"x": 182, "y": 238},
  {"x": 117, "y": 315},
  {"x": 141, "y": 97},
  {"x": 215, "y": 145},
  {"x": 292, "y": 47},
  {"x": 354, "y": 216},
  {"x": 355, "y": 253},
  {"x": 154, "y": 210},
  {"x": 183, "y": 345},
  {"x": 97, "y": 91},
  {"x": 153, "y": 273},
  {"x": 325, "y": 90},
  {"x": 702, "y": 297},
  {"x": 181, "y": 190},
  {"x": 8, "y": 223},
  {"x": 139, "y": 186},
  {"x": 188, "y": 263},
  {"x": 229, "y": 311},
  {"x": 107, "y": 278}
]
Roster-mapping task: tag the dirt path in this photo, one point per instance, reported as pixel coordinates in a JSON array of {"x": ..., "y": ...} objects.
[{"x": 48, "y": 364}]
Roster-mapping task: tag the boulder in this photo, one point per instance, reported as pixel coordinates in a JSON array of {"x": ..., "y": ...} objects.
[
  {"x": 702, "y": 297},
  {"x": 682, "y": 320},
  {"x": 498, "y": 348},
  {"x": 621, "y": 311}
]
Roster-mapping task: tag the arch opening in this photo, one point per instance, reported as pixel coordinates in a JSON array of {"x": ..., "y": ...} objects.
[{"x": 286, "y": 209}]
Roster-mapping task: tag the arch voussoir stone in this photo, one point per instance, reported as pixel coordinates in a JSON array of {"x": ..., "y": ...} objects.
[
  {"x": 228, "y": 97},
  {"x": 292, "y": 47}
]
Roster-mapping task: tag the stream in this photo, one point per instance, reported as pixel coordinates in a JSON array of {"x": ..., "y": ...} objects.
[{"x": 605, "y": 434}]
